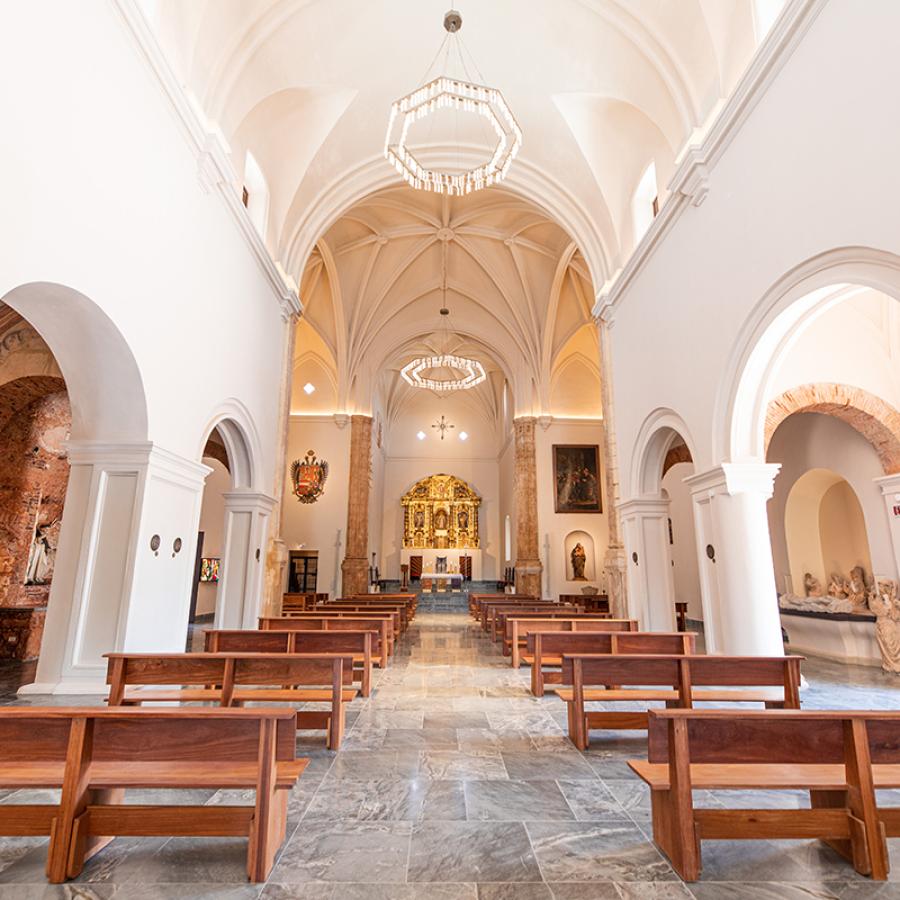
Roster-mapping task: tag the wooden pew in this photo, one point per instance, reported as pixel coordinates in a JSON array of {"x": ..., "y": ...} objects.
[
  {"x": 598, "y": 603},
  {"x": 487, "y": 607},
  {"x": 681, "y": 616},
  {"x": 475, "y": 601},
  {"x": 382, "y": 624},
  {"x": 411, "y": 600},
  {"x": 93, "y": 754},
  {"x": 840, "y": 757},
  {"x": 231, "y": 679},
  {"x": 545, "y": 649},
  {"x": 359, "y": 643},
  {"x": 393, "y": 606},
  {"x": 529, "y": 620},
  {"x": 297, "y": 602},
  {"x": 498, "y": 615},
  {"x": 679, "y": 681}
]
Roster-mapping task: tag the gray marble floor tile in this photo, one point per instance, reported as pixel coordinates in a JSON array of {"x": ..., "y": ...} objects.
[
  {"x": 516, "y": 801},
  {"x": 762, "y": 890},
  {"x": 536, "y": 891},
  {"x": 471, "y": 851},
  {"x": 216, "y": 891},
  {"x": 389, "y": 800},
  {"x": 457, "y": 764},
  {"x": 539, "y": 765},
  {"x": 420, "y": 739},
  {"x": 361, "y": 765},
  {"x": 345, "y": 851},
  {"x": 59, "y": 892},
  {"x": 589, "y": 851},
  {"x": 591, "y": 800},
  {"x": 189, "y": 860}
]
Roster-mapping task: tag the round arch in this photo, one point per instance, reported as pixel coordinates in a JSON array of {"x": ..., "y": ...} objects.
[
  {"x": 106, "y": 390},
  {"x": 235, "y": 425},
  {"x": 878, "y": 422},
  {"x": 798, "y": 297},
  {"x": 659, "y": 433}
]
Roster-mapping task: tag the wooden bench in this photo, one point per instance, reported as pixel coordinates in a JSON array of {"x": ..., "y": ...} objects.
[
  {"x": 411, "y": 600},
  {"x": 499, "y": 614},
  {"x": 681, "y": 616},
  {"x": 381, "y": 625},
  {"x": 679, "y": 681},
  {"x": 232, "y": 679},
  {"x": 521, "y": 624},
  {"x": 840, "y": 757},
  {"x": 545, "y": 649},
  {"x": 476, "y": 600},
  {"x": 358, "y": 643},
  {"x": 486, "y": 608},
  {"x": 397, "y": 607},
  {"x": 92, "y": 755},
  {"x": 591, "y": 602}
]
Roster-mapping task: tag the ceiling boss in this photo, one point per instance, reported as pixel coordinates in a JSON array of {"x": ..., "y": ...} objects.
[{"x": 460, "y": 95}]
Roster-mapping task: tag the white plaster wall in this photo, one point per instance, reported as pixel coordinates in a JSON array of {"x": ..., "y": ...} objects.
[
  {"x": 809, "y": 171},
  {"x": 481, "y": 474},
  {"x": 814, "y": 441},
  {"x": 553, "y": 527},
  {"x": 102, "y": 195},
  {"x": 683, "y": 549},
  {"x": 212, "y": 524},
  {"x": 316, "y": 525}
]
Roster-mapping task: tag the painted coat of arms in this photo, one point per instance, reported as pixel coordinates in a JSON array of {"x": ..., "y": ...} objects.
[{"x": 309, "y": 476}]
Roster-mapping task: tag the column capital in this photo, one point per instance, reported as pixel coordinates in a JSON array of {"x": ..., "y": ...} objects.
[
  {"x": 735, "y": 478},
  {"x": 133, "y": 456},
  {"x": 889, "y": 484},
  {"x": 248, "y": 500},
  {"x": 638, "y": 506}
]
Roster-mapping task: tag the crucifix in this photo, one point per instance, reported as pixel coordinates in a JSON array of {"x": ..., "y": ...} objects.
[{"x": 442, "y": 427}]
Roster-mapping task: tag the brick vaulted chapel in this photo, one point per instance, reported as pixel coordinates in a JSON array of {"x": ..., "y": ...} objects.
[{"x": 450, "y": 452}]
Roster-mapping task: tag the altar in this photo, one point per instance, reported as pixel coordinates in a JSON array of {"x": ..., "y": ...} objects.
[{"x": 431, "y": 565}]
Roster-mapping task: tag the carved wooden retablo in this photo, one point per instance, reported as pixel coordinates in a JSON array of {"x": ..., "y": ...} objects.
[{"x": 440, "y": 512}]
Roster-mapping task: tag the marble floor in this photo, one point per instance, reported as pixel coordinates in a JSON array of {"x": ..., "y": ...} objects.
[{"x": 454, "y": 782}]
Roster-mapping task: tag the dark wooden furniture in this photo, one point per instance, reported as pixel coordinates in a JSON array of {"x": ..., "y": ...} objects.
[
  {"x": 358, "y": 643},
  {"x": 841, "y": 758},
  {"x": 92, "y": 755},
  {"x": 415, "y": 568},
  {"x": 681, "y": 616},
  {"x": 591, "y": 602},
  {"x": 504, "y": 619},
  {"x": 231, "y": 679},
  {"x": 476, "y": 600},
  {"x": 677, "y": 680},
  {"x": 545, "y": 649}
]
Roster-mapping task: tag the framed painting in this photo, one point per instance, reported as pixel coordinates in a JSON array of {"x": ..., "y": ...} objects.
[
  {"x": 209, "y": 569},
  {"x": 576, "y": 473}
]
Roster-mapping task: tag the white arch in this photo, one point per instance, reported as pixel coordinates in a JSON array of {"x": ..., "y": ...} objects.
[
  {"x": 803, "y": 293},
  {"x": 525, "y": 180},
  {"x": 235, "y": 424},
  {"x": 654, "y": 439},
  {"x": 106, "y": 390}
]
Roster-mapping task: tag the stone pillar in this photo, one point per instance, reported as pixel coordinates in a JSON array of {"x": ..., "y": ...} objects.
[
  {"x": 528, "y": 563},
  {"x": 890, "y": 491},
  {"x": 355, "y": 568},
  {"x": 615, "y": 561},
  {"x": 125, "y": 565},
  {"x": 276, "y": 551},
  {"x": 651, "y": 584},
  {"x": 737, "y": 577}
]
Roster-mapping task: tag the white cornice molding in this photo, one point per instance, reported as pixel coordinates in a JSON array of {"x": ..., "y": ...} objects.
[
  {"x": 690, "y": 183},
  {"x": 214, "y": 168}
]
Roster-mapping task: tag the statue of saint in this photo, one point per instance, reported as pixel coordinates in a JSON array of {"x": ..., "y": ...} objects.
[
  {"x": 883, "y": 601},
  {"x": 462, "y": 519},
  {"x": 441, "y": 520},
  {"x": 856, "y": 587},
  {"x": 579, "y": 559},
  {"x": 837, "y": 587},
  {"x": 40, "y": 557},
  {"x": 812, "y": 585}
]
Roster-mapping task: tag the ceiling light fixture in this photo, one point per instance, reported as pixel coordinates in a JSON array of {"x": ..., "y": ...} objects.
[
  {"x": 308, "y": 388},
  {"x": 464, "y": 435},
  {"x": 421, "y": 435},
  {"x": 461, "y": 95}
]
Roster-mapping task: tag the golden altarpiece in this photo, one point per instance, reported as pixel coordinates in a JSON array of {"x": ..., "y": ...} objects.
[{"x": 440, "y": 513}]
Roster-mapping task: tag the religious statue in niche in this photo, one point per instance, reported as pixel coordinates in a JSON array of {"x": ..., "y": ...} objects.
[
  {"x": 40, "y": 556},
  {"x": 440, "y": 512},
  {"x": 308, "y": 476},
  {"x": 579, "y": 560},
  {"x": 845, "y": 594},
  {"x": 883, "y": 601}
]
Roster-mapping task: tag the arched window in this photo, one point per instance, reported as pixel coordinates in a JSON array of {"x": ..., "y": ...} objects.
[
  {"x": 507, "y": 538},
  {"x": 644, "y": 204},
  {"x": 256, "y": 194}
]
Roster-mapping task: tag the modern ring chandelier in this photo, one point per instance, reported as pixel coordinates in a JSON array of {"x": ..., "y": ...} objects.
[
  {"x": 465, "y": 373},
  {"x": 461, "y": 95}
]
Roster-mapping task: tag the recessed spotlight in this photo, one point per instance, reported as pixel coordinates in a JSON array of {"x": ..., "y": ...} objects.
[
  {"x": 421, "y": 435},
  {"x": 309, "y": 388},
  {"x": 463, "y": 436}
]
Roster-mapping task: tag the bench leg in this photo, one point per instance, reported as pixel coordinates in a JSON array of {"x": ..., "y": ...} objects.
[
  {"x": 336, "y": 726},
  {"x": 269, "y": 823},
  {"x": 366, "y": 681},
  {"x": 577, "y": 724},
  {"x": 667, "y": 834},
  {"x": 537, "y": 680},
  {"x": 84, "y": 845},
  {"x": 854, "y": 850}
]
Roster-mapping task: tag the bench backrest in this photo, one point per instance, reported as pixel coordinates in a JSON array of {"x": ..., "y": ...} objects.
[
  {"x": 684, "y": 672},
  {"x": 557, "y": 643},
  {"x": 382, "y": 624},
  {"x": 227, "y": 669},
  {"x": 777, "y": 737},
  {"x": 398, "y": 611},
  {"x": 41, "y": 734},
  {"x": 307, "y": 641},
  {"x": 529, "y": 625}
]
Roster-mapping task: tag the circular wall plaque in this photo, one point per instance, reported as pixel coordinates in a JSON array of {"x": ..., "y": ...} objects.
[
  {"x": 177, "y": 545},
  {"x": 155, "y": 542},
  {"x": 711, "y": 552},
  {"x": 634, "y": 557}
]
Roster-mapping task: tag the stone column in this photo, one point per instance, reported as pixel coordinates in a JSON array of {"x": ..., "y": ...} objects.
[
  {"x": 737, "y": 577},
  {"x": 651, "y": 584},
  {"x": 528, "y": 563},
  {"x": 614, "y": 562},
  {"x": 355, "y": 568}
]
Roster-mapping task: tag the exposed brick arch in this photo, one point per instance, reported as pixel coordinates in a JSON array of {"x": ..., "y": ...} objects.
[
  {"x": 878, "y": 422},
  {"x": 677, "y": 453},
  {"x": 214, "y": 449},
  {"x": 22, "y": 392}
]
